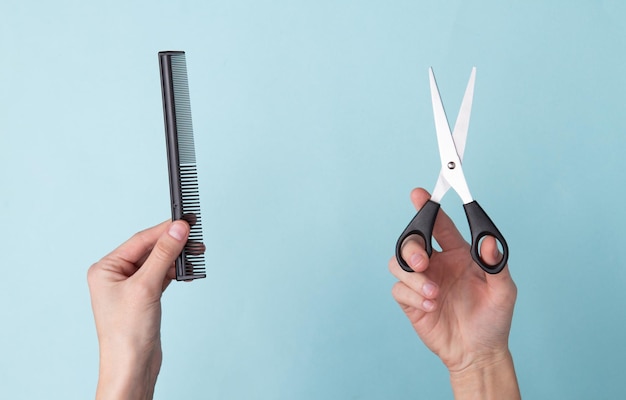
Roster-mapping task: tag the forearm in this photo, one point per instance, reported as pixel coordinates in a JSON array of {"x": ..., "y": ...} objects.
[
  {"x": 127, "y": 375},
  {"x": 491, "y": 379}
]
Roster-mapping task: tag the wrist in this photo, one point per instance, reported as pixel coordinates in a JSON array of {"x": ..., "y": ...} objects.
[
  {"x": 127, "y": 372},
  {"x": 490, "y": 377}
]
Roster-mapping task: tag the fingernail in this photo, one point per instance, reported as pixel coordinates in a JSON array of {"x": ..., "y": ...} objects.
[
  {"x": 416, "y": 260},
  {"x": 177, "y": 231},
  {"x": 428, "y": 305},
  {"x": 429, "y": 289},
  {"x": 496, "y": 253}
]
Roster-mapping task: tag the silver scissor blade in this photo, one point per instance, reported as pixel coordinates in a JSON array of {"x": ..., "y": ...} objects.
[
  {"x": 441, "y": 188},
  {"x": 447, "y": 149},
  {"x": 451, "y": 166},
  {"x": 459, "y": 134}
]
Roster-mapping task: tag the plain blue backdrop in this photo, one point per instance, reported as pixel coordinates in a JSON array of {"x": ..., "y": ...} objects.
[{"x": 312, "y": 124}]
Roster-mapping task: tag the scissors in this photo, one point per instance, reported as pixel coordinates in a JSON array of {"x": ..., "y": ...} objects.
[{"x": 451, "y": 149}]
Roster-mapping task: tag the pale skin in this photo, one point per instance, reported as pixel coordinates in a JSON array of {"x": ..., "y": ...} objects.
[
  {"x": 460, "y": 312},
  {"x": 126, "y": 288}
]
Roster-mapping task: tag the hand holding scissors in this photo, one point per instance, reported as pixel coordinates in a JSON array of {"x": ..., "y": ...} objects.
[{"x": 451, "y": 150}]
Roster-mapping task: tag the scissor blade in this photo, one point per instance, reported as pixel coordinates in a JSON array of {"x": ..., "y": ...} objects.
[
  {"x": 451, "y": 166},
  {"x": 441, "y": 188},
  {"x": 459, "y": 134}
]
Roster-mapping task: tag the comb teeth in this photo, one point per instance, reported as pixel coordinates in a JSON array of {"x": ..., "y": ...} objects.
[
  {"x": 186, "y": 146},
  {"x": 183, "y": 173}
]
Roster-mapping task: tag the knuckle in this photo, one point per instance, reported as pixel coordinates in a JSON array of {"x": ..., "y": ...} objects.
[
  {"x": 392, "y": 264},
  {"x": 164, "y": 251},
  {"x": 95, "y": 274},
  {"x": 396, "y": 289},
  {"x": 91, "y": 273},
  {"x": 141, "y": 237}
]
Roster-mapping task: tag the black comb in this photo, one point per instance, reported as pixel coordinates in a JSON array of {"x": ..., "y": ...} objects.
[{"x": 181, "y": 157}]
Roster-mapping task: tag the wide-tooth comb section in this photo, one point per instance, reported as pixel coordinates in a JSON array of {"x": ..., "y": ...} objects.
[{"x": 183, "y": 173}]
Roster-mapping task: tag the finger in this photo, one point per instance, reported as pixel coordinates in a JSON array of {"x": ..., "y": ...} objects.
[
  {"x": 195, "y": 248},
  {"x": 417, "y": 282},
  {"x": 489, "y": 251},
  {"x": 491, "y": 255},
  {"x": 135, "y": 249},
  {"x": 444, "y": 231},
  {"x": 408, "y": 298},
  {"x": 414, "y": 253},
  {"x": 167, "y": 248},
  {"x": 191, "y": 218}
]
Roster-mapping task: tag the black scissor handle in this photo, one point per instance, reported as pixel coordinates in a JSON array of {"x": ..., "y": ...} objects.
[
  {"x": 422, "y": 225},
  {"x": 480, "y": 226}
]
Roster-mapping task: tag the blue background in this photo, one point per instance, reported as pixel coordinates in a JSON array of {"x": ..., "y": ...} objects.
[{"x": 312, "y": 123}]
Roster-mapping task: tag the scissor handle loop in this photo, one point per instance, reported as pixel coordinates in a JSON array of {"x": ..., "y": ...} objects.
[
  {"x": 422, "y": 225},
  {"x": 481, "y": 226}
]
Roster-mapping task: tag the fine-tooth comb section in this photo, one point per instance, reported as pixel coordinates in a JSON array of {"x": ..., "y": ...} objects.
[{"x": 181, "y": 155}]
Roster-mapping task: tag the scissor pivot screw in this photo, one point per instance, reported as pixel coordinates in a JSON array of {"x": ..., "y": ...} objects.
[{"x": 451, "y": 165}]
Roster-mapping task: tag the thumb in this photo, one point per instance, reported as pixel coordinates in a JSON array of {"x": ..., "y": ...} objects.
[{"x": 167, "y": 248}]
